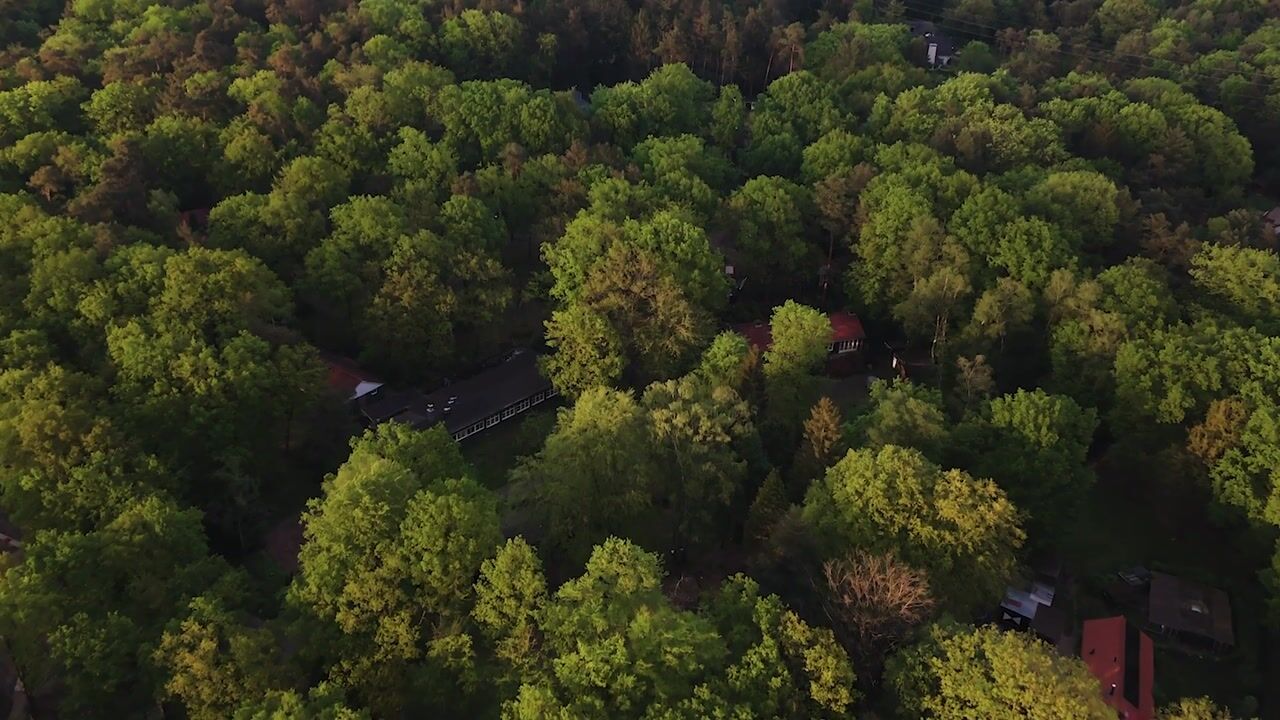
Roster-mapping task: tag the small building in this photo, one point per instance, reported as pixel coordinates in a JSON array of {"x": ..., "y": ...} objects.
[
  {"x": 1123, "y": 659},
  {"x": 939, "y": 48},
  {"x": 847, "y": 335},
  {"x": 1040, "y": 609},
  {"x": 1190, "y": 611},
  {"x": 348, "y": 379},
  {"x": 1272, "y": 220}
]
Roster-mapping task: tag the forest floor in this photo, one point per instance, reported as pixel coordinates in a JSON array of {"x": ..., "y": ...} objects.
[{"x": 1120, "y": 528}]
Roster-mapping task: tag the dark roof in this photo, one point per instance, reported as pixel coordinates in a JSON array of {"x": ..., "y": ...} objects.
[
  {"x": 386, "y": 403},
  {"x": 1189, "y": 607},
  {"x": 930, "y": 33},
  {"x": 1053, "y": 625},
  {"x": 844, "y": 326},
  {"x": 1123, "y": 659},
  {"x": 469, "y": 401},
  {"x": 512, "y": 379}
]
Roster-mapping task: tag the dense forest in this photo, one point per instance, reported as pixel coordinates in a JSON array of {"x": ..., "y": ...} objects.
[{"x": 1059, "y": 228}]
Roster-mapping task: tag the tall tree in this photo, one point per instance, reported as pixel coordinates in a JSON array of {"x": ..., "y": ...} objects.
[
  {"x": 962, "y": 530},
  {"x": 215, "y": 661},
  {"x": 87, "y": 609},
  {"x": 383, "y": 600},
  {"x": 1035, "y": 445},
  {"x": 704, "y": 435},
  {"x": 905, "y": 414},
  {"x": 820, "y": 446},
  {"x": 957, "y": 671},
  {"x": 876, "y": 600},
  {"x": 596, "y": 474}
]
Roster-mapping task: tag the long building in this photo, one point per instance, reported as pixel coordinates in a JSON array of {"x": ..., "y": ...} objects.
[{"x": 466, "y": 407}]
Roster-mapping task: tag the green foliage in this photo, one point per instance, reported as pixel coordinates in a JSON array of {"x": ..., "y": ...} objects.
[
  {"x": 670, "y": 101},
  {"x": 619, "y": 649},
  {"x": 957, "y": 671},
  {"x": 962, "y": 530},
  {"x": 1244, "y": 282},
  {"x": 391, "y": 551},
  {"x": 703, "y": 436},
  {"x": 323, "y": 702},
  {"x": 800, "y": 338},
  {"x": 1035, "y": 446},
  {"x": 1201, "y": 708},
  {"x": 728, "y": 361},
  {"x": 130, "y": 575},
  {"x": 511, "y": 595},
  {"x": 214, "y": 662},
  {"x": 904, "y": 414},
  {"x": 480, "y": 44},
  {"x": 769, "y": 214},
  {"x": 588, "y": 351},
  {"x": 595, "y": 474},
  {"x": 193, "y": 194},
  {"x": 768, "y": 507}
]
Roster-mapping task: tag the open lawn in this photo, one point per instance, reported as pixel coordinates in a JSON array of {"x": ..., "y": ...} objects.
[{"x": 1119, "y": 529}]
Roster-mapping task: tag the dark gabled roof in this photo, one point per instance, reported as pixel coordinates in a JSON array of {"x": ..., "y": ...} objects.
[
  {"x": 469, "y": 401},
  {"x": 1189, "y": 607},
  {"x": 929, "y": 32},
  {"x": 458, "y": 405},
  {"x": 386, "y": 403}
]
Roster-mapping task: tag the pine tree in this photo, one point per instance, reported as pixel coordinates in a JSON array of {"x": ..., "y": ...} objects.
[
  {"x": 822, "y": 436},
  {"x": 765, "y": 511}
]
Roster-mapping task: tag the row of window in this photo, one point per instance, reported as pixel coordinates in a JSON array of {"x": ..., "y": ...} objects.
[
  {"x": 509, "y": 412},
  {"x": 844, "y": 346}
]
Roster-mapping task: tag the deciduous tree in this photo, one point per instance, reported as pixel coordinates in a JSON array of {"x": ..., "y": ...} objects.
[
  {"x": 962, "y": 530},
  {"x": 955, "y": 671}
]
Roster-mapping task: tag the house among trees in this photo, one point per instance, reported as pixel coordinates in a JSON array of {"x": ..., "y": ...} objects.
[
  {"x": 348, "y": 379},
  {"x": 1272, "y": 219},
  {"x": 1190, "y": 611},
  {"x": 1033, "y": 610},
  {"x": 1122, "y": 657},
  {"x": 939, "y": 49},
  {"x": 467, "y": 407},
  {"x": 847, "y": 338}
]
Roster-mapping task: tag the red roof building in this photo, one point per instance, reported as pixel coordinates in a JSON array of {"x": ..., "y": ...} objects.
[
  {"x": 1123, "y": 659},
  {"x": 847, "y": 333},
  {"x": 347, "y": 379}
]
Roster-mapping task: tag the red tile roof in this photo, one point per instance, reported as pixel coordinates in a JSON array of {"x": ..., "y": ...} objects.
[
  {"x": 759, "y": 334},
  {"x": 1126, "y": 674},
  {"x": 844, "y": 326},
  {"x": 345, "y": 376}
]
